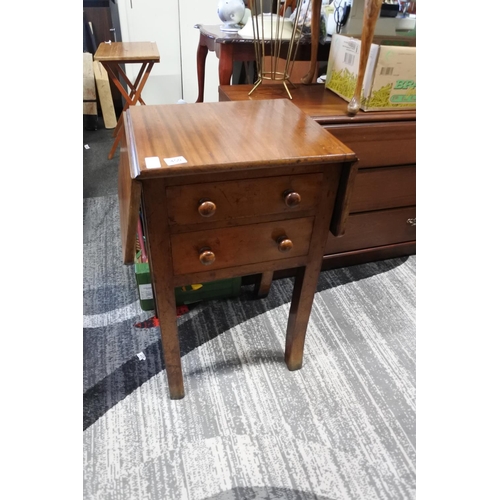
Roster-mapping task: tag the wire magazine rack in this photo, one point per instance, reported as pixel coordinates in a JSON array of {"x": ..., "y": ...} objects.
[{"x": 276, "y": 40}]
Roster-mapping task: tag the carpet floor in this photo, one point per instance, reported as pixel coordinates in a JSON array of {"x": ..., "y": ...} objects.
[{"x": 341, "y": 428}]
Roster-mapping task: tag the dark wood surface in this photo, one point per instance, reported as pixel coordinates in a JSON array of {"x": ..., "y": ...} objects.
[
  {"x": 127, "y": 52},
  {"x": 383, "y": 195},
  {"x": 229, "y": 137},
  {"x": 235, "y": 153},
  {"x": 231, "y": 47},
  {"x": 315, "y": 100}
]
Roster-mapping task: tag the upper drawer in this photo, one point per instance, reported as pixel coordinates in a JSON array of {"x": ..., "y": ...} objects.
[
  {"x": 379, "y": 144},
  {"x": 240, "y": 245},
  {"x": 388, "y": 187},
  {"x": 245, "y": 198}
]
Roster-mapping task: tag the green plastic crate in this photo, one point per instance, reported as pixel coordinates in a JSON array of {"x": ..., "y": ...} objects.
[{"x": 220, "y": 289}]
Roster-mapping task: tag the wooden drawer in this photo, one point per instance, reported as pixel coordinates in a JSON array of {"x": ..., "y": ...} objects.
[
  {"x": 379, "y": 144},
  {"x": 245, "y": 198},
  {"x": 372, "y": 229},
  {"x": 240, "y": 245},
  {"x": 381, "y": 188}
]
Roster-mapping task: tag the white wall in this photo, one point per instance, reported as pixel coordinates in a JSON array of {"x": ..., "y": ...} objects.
[
  {"x": 170, "y": 23},
  {"x": 191, "y": 13}
]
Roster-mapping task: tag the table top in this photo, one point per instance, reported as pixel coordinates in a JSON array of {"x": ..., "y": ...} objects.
[
  {"x": 213, "y": 31},
  {"x": 127, "y": 52},
  {"x": 315, "y": 100},
  {"x": 226, "y": 136}
]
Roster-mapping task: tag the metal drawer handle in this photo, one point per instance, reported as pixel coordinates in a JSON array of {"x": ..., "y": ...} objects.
[
  {"x": 206, "y": 208},
  {"x": 206, "y": 257},
  {"x": 412, "y": 222},
  {"x": 291, "y": 198},
  {"x": 284, "y": 244}
]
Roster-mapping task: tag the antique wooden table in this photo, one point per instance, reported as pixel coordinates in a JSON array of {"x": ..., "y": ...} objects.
[
  {"x": 231, "y": 47},
  {"x": 231, "y": 189},
  {"x": 111, "y": 56}
]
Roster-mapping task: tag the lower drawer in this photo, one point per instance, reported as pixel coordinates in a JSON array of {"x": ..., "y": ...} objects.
[
  {"x": 240, "y": 245},
  {"x": 372, "y": 229}
]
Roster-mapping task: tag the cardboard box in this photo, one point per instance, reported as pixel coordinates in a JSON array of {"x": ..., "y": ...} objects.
[{"x": 390, "y": 81}]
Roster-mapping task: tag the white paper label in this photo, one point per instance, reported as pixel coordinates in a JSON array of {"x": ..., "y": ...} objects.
[
  {"x": 146, "y": 291},
  {"x": 141, "y": 356},
  {"x": 152, "y": 162},
  {"x": 175, "y": 161}
]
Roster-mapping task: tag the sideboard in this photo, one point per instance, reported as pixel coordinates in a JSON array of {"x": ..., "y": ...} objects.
[{"x": 382, "y": 218}]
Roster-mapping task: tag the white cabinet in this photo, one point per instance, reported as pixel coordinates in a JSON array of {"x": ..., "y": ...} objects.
[{"x": 170, "y": 23}]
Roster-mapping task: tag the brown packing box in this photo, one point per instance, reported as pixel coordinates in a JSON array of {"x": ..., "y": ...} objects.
[{"x": 390, "y": 80}]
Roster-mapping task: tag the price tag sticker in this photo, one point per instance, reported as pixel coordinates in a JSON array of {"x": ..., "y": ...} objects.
[
  {"x": 176, "y": 160},
  {"x": 152, "y": 162}
]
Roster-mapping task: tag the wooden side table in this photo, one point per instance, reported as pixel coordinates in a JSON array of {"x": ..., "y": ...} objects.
[
  {"x": 111, "y": 55},
  {"x": 231, "y": 47},
  {"x": 231, "y": 189}
]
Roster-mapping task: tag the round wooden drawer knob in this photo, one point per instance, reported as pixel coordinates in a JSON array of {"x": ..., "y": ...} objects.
[
  {"x": 292, "y": 198},
  {"x": 206, "y": 208},
  {"x": 284, "y": 244},
  {"x": 207, "y": 257}
]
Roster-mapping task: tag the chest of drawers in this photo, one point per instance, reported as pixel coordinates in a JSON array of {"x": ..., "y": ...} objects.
[
  {"x": 231, "y": 189},
  {"x": 381, "y": 223}
]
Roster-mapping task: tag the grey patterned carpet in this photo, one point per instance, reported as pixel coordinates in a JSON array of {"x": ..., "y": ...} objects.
[{"x": 341, "y": 428}]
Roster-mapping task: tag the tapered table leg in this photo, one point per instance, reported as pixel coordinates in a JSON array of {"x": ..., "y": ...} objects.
[
  {"x": 304, "y": 289},
  {"x": 264, "y": 284},
  {"x": 160, "y": 262}
]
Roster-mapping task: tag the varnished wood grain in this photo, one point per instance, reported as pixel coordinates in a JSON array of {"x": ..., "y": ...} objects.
[
  {"x": 263, "y": 285},
  {"x": 380, "y": 144},
  {"x": 385, "y": 187},
  {"x": 307, "y": 277},
  {"x": 340, "y": 215},
  {"x": 129, "y": 198},
  {"x": 230, "y": 136},
  {"x": 316, "y": 100},
  {"x": 237, "y": 150},
  {"x": 160, "y": 262},
  {"x": 382, "y": 140},
  {"x": 364, "y": 255},
  {"x": 241, "y": 198},
  {"x": 112, "y": 56},
  {"x": 240, "y": 245},
  {"x": 376, "y": 228},
  {"x": 125, "y": 52},
  {"x": 207, "y": 274}
]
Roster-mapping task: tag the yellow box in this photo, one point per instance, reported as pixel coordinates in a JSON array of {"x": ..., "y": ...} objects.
[{"x": 390, "y": 81}]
